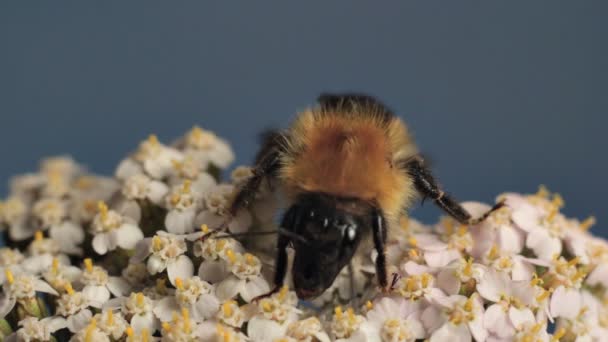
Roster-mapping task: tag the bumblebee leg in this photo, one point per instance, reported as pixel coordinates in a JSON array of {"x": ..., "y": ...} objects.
[
  {"x": 379, "y": 235},
  {"x": 427, "y": 185},
  {"x": 289, "y": 222}
]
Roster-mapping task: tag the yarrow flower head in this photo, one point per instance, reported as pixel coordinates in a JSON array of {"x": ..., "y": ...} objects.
[{"x": 159, "y": 253}]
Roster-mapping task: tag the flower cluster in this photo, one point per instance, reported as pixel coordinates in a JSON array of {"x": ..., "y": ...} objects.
[{"x": 134, "y": 258}]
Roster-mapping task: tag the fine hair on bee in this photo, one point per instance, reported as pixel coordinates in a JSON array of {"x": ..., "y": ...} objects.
[{"x": 348, "y": 170}]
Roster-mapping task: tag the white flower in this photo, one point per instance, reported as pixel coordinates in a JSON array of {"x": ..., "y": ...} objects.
[
  {"x": 455, "y": 318},
  {"x": 20, "y": 288},
  {"x": 152, "y": 157},
  {"x": 193, "y": 294},
  {"x": 111, "y": 323},
  {"x": 205, "y": 146},
  {"x": 458, "y": 273},
  {"x": 141, "y": 187},
  {"x": 345, "y": 325},
  {"x": 90, "y": 333},
  {"x": 513, "y": 302},
  {"x": 166, "y": 251},
  {"x": 273, "y": 316},
  {"x": 74, "y": 306},
  {"x": 193, "y": 170},
  {"x": 415, "y": 287},
  {"x": 112, "y": 230},
  {"x": 215, "y": 212},
  {"x": 138, "y": 311},
  {"x": 246, "y": 279},
  {"x": 34, "y": 329},
  {"x": 98, "y": 285},
  {"x": 395, "y": 319},
  {"x": 309, "y": 329},
  {"x": 14, "y": 213},
  {"x": 214, "y": 267},
  {"x": 60, "y": 274},
  {"x": 182, "y": 203},
  {"x": 231, "y": 314}
]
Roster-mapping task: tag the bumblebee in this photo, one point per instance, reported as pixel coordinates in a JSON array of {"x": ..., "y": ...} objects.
[{"x": 348, "y": 169}]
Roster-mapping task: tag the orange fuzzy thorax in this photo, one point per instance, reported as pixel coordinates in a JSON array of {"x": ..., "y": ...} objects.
[{"x": 349, "y": 155}]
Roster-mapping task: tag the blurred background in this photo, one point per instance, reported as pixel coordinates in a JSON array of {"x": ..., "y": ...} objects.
[{"x": 501, "y": 95}]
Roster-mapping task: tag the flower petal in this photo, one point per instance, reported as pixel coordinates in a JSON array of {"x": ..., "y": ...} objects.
[
  {"x": 128, "y": 236},
  {"x": 229, "y": 288},
  {"x": 79, "y": 320},
  {"x": 118, "y": 286},
  {"x": 164, "y": 308},
  {"x": 6, "y": 305},
  {"x": 182, "y": 268}
]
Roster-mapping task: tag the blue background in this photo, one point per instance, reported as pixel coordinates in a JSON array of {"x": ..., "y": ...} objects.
[{"x": 503, "y": 95}]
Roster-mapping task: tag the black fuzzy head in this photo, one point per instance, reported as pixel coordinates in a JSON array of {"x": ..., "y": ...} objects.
[{"x": 331, "y": 230}]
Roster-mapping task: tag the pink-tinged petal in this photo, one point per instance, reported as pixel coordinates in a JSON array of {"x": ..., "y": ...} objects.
[
  {"x": 451, "y": 333},
  {"x": 97, "y": 295},
  {"x": 448, "y": 282},
  {"x": 416, "y": 328},
  {"x": 6, "y": 305},
  {"x": 260, "y": 329},
  {"x": 157, "y": 191},
  {"x": 145, "y": 321},
  {"x": 101, "y": 243},
  {"x": 431, "y": 243},
  {"x": 543, "y": 244},
  {"x": 209, "y": 218},
  {"x": 510, "y": 239},
  {"x": 432, "y": 318},
  {"x": 253, "y": 288},
  {"x": 241, "y": 222},
  {"x": 476, "y": 325},
  {"x": 565, "y": 303},
  {"x": 524, "y": 292},
  {"x": 476, "y": 209},
  {"x": 599, "y": 275},
  {"x": 484, "y": 238},
  {"x": 496, "y": 321},
  {"x": 180, "y": 222},
  {"x": 206, "y": 307},
  {"x": 213, "y": 271},
  {"x": 435, "y": 295},
  {"x": 441, "y": 258},
  {"x": 164, "y": 308},
  {"x": 521, "y": 270},
  {"x": 229, "y": 288},
  {"x": 182, "y": 268},
  {"x": 493, "y": 285},
  {"x": 521, "y": 317},
  {"x": 79, "y": 320},
  {"x": 128, "y": 236},
  {"x": 527, "y": 217},
  {"x": 142, "y": 250},
  {"x": 130, "y": 209},
  {"x": 413, "y": 268},
  {"x": 127, "y": 168},
  {"x": 43, "y": 286},
  {"x": 118, "y": 286}
]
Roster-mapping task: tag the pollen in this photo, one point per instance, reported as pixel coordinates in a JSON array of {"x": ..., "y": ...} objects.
[
  {"x": 68, "y": 289},
  {"x": 412, "y": 241},
  {"x": 153, "y": 139},
  {"x": 166, "y": 326},
  {"x": 250, "y": 259},
  {"x": 103, "y": 209},
  {"x": 129, "y": 333},
  {"x": 283, "y": 292},
  {"x": 536, "y": 281},
  {"x": 179, "y": 283},
  {"x": 588, "y": 223},
  {"x": 413, "y": 254},
  {"x": 338, "y": 312},
  {"x": 55, "y": 266},
  {"x": 110, "y": 318},
  {"x": 561, "y": 332},
  {"x": 544, "y": 295},
  {"x": 227, "y": 308},
  {"x": 38, "y": 236},
  {"x": 231, "y": 256},
  {"x": 186, "y": 318},
  {"x": 157, "y": 243},
  {"x": 266, "y": 306},
  {"x": 493, "y": 254},
  {"x": 88, "y": 263},
  {"x": 90, "y": 330},
  {"x": 204, "y": 228},
  {"x": 9, "y": 276},
  {"x": 145, "y": 335},
  {"x": 139, "y": 298},
  {"x": 468, "y": 268}
]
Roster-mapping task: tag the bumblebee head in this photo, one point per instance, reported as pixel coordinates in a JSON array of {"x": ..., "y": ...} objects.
[{"x": 330, "y": 237}]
